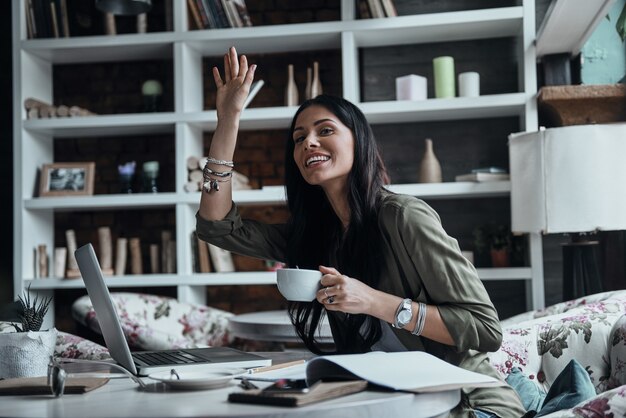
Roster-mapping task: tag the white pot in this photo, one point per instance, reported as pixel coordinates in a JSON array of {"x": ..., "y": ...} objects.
[{"x": 26, "y": 354}]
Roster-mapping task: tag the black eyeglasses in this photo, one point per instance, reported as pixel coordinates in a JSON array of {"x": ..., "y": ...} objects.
[{"x": 57, "y": 375}]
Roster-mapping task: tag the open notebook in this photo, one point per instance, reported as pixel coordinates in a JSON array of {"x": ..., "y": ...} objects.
[
  {"x": 411, "y": 371},
  {"x": 146, "y": 362}
]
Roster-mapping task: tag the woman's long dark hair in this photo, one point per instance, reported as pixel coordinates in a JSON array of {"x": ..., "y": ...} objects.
[{"x": 315, "y": 231}]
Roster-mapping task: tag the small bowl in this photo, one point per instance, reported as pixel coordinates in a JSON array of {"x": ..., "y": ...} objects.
[{"x": 299, "y": 285}]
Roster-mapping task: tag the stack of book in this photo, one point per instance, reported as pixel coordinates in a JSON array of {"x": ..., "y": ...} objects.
[
  {"x": 374, "y": 9},
  {"x": 217, "y": 14},
  {"x": 47, "y": 19},
  {"x": 485, "y": 174}
]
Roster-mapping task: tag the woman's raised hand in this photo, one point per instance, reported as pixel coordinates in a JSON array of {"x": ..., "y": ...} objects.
[{"x": 233, "y": 89}]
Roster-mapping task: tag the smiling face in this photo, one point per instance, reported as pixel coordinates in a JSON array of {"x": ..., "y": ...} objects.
[{"x": 323, "y": 148}]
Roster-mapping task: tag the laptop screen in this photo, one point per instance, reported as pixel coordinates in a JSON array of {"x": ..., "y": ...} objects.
[{"x": 103, "y": 305}]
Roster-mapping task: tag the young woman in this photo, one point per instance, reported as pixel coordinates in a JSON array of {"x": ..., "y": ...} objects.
[{"x": 393, "y": 280}]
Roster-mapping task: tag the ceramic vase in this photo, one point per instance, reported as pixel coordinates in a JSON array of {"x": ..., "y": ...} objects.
[
  {"x": 291, "y": 91},
  {"x": 316, "y": 84},
  {"x": 430, "y": 169}
]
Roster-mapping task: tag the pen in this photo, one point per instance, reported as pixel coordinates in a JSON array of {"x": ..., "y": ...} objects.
[{"x": 276, "y": 367}]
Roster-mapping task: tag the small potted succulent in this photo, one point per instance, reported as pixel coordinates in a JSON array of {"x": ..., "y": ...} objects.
[
  {"x": 496, "y": 238},
  {"x": 26, "y": 351}
]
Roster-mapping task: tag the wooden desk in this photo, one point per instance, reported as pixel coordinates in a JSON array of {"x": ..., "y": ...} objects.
[{"x": 122, "y": 398}]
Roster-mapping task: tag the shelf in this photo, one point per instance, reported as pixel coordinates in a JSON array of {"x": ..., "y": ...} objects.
[
  {"x": 450, "y": 190},
  {"x": 251, "y": 119},
  {"x": 108, "y": 201},
  {"x": 227, "y": 279},
  {"x": 454, "y": 190},
  {"x": 144, "y": 280},
  {"x": 488, "y": 106},
  {"x": 510, "y": 273},
  {"x": 187, "y": 124},
  {"x": 105, "y": 125},
  {"x": 438, "y": 27},
  {"x": 268, "y": 39},
  {"x": 274, "y": 195},
  {"x": 131, "y": 47}
]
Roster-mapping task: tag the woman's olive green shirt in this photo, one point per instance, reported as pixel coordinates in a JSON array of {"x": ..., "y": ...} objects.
[{"x": 420, "y": 262}]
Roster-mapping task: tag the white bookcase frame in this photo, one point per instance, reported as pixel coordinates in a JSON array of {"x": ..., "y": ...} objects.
[{"x": 33, "y": 139}]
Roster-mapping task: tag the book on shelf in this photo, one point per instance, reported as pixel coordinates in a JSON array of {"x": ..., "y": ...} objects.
[
  {"x": 205, "y": 13},
  {"x": 232, "y": 14},
  {"x": 204, "y": 260},
  {"x": 242, "y": 10},
  {"x": 481, "y": 177},
  {"x": 195, "y": 14},
  {"x": 221, "y": 259},
  {"x": 220, "y": 14},
  {"x": 376, "y": 8},
  {"x": 65, "y": 23},
  {"x": 389, "y": 8},
  {"x": 364, "y": 11}
]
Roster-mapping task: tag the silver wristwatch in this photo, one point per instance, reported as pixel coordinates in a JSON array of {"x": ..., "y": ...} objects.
[{"x": 404, "y": 313}]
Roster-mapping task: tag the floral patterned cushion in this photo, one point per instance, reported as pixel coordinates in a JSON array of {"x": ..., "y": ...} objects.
[
  {"x": 610, "y": 404},
  {"x": 70, "y": 346},
  {"x": 561, "y": 307},
  {"x": 154, "y": 322},
  {"x": 591, "y": 330}
]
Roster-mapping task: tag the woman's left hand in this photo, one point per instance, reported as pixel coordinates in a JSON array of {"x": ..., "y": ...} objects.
[{"x": 343, "y": 293}]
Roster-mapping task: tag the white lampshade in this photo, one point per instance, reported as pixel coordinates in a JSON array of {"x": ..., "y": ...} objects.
[{"x": 569, "y": 179}]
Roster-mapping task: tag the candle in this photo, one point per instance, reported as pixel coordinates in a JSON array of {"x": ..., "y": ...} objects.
[
  {"x": 469, "y": 84},
  {"x": 443, "y": 67}
]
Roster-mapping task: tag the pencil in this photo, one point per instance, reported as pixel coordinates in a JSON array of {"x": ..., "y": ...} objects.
[{"x": 276, "y": 366}]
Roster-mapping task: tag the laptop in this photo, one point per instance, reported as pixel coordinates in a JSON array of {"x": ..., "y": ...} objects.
[{"x": 144, "y": 363}]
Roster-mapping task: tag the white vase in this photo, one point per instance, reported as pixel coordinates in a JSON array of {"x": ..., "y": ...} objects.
[
  {"x": 316, "y": 84},
  {"x": 26, "y": 354},
  {"x": 291, "y": 91},
  {"x": 430, "y": 169}
]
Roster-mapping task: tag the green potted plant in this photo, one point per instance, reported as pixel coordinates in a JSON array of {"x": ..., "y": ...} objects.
[
  {"x": 496, "y": 239},
  {"x": 26, "y": 352}
]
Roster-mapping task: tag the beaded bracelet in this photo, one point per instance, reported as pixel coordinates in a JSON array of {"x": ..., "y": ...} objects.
[
  {"x": 421, "y": 319},
  {"x": 220, "y": 162}
]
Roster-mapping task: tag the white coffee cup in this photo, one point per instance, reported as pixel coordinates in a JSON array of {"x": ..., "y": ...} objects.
[{"x": 298, "y": 285}]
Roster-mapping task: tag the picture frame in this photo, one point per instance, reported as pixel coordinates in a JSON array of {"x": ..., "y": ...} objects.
[{"x": 67, "y": 179}]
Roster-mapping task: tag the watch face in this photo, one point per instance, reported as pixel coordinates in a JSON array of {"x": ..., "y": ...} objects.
[{"x": 404, "y": 317}]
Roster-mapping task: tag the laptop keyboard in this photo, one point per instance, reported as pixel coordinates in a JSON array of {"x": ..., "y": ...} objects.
[{"x": 168, "y": 357}]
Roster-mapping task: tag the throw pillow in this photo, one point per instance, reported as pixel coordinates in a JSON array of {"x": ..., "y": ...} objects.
[
  {"x": 531, "y": 395},
  {"x": 572, "y": 386}
]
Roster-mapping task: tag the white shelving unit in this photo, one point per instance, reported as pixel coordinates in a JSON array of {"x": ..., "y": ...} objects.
[{"x": 33, "y": 61}]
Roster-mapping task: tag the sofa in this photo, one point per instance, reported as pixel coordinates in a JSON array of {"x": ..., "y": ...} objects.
[
  {"x": 152, "y": 322},
  {"x": 592, "y": 330}
]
